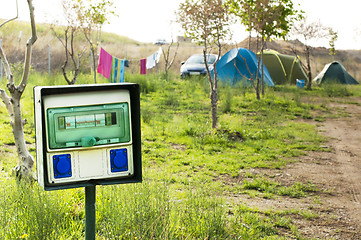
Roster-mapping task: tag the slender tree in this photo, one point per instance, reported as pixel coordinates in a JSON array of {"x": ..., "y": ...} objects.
[
  {"x": 333, "y": 38},
  {"x": 12, "y": 101},
  {"x": 269, "y": 19},
  {"x": 207, "y": 23},
  {"x": 69, "y": 32},
  {"x": 92, "y": 15},
  {"x": 168, "y": 60},
  {"x": 308, "y": 31}
]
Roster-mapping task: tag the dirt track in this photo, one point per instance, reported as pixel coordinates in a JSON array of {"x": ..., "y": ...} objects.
[
  {"x": 335, "y": 208},
  {"x": 338, "y": 174}
]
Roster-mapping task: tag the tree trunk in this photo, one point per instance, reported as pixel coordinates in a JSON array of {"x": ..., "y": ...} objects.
[
  {"x": 94, "y": 65},
  {"x": 26, "y": 161},
  {"x": 309, "y": 72},
  {"x": 93, "y": 47},
  {"x": 262, "y": 73},
  {"x": 214, "y": 98},
  {"x": 258, "y": 95},
  {"x": 213, "y": 88},
  {"x": 214, "y": 103},
  {"x": 257, "y": 76},
  {"x": 70, "y": 52},
  {"x": 249, "y": 31}
]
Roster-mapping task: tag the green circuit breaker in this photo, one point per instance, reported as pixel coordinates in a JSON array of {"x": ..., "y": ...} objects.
[{"x": 86, "y": 126}]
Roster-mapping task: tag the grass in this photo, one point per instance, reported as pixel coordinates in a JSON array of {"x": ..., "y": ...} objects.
[
  {"x": 270, "y": 188},
  {"x": 189, "y": 169}
]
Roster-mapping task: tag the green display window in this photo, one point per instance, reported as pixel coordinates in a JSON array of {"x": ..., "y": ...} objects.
[{"x": 86, "y": 126}]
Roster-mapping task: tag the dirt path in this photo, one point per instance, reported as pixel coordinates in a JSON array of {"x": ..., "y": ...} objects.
[
  {"x": 346, "y": 145},
  {"x": 334, "y": 210},
  {"x": 337, "y": 173}
]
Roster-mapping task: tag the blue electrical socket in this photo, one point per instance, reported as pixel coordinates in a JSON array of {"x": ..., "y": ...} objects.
[
  {"x": 62, "y": 166},
  {"x": 119, "y": 160}
]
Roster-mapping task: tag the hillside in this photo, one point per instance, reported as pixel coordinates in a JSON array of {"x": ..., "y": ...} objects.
[{"x": 14, "y": 36}]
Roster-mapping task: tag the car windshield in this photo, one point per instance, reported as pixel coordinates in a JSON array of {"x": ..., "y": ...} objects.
[{"x": 199, "y": 59}]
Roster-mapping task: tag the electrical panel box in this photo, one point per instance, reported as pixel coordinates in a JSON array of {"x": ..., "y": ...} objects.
[{"x": 87, "y": 134}]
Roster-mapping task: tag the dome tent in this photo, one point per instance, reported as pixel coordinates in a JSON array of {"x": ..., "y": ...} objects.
[
  {"x": 237, "y": 65},
  {"x": 334, "y": 72},
  {"x": 283, "y": 68}
]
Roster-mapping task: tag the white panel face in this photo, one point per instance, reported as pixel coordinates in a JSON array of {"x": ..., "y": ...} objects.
[
  {"x": 91, "y": 163},
  {"x": 66, "y": 167}
]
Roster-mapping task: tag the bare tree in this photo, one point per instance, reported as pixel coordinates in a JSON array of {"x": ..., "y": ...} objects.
[
  {"x": 168, "y": 61},
  {"x": 308, "y": 31},
  {"x": 12, "y": 102},
  {"x": 70, "y": 52},
  {"x": 333, "y": 38},
  {"x": 73, "y": 55}
]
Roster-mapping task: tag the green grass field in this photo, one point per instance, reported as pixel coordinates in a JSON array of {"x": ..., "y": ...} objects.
[{"x": 190, "y": 171}]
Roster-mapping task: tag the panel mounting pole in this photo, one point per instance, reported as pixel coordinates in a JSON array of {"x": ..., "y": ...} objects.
[{"x": 90, "y": 197}]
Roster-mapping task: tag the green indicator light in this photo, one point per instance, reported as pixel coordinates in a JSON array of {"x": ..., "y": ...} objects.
[
  {"x": 108, "y": 118},
  {"x": 61, "y": 122}
]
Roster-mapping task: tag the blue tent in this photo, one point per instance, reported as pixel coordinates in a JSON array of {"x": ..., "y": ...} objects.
[{"x": 232, "y": 68}]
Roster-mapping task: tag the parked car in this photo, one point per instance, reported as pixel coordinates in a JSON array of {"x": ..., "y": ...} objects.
[
  {"x": 160, "y": 41},
  {"x": 195, "y": 65}
]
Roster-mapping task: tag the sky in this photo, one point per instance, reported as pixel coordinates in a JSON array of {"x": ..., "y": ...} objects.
[{"x": 149, "y": 20}]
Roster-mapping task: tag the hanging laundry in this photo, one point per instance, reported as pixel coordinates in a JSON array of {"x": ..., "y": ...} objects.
[
  {"x": 143, "y": 64},
  {"x": 151, "y": 61},
  {"x": 122, "y": 70},
  {"x": 158, "y": 54},
  {"x": 117, "y": 72},
  {"x": 111, "y": 75},
  {"x": 105, "y": 63},
  {"x": 115, "y": 69}
]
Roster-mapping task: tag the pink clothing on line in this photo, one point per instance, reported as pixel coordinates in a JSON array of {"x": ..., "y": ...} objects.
[
  {"x": 143, "y": 66},
  {"x": 105, "y": 63}
]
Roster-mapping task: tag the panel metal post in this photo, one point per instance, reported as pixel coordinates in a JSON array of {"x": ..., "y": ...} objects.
[{"x": 90, "y": 197}]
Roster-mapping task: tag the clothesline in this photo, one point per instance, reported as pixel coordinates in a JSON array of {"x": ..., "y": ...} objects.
[
  {"x": 108, "y": 67},
  {"x": 112, "y": 68}
]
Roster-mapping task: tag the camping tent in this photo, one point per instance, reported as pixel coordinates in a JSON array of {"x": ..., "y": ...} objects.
[
  {"x": 283, "y": 68},
  {"x": 334, "y": 73},
  {"x": 237, "y": 65}
]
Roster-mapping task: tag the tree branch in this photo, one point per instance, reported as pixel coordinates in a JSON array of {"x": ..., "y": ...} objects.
[
  {"x": 175, "y": 54},
  {"x": 6, "y": 67},
  {"x": 12, "y": 19},
  {"x": 2, "y": 54},
  {"x": 7, "y": 102},
  {"x": 29, "y": 46}
]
